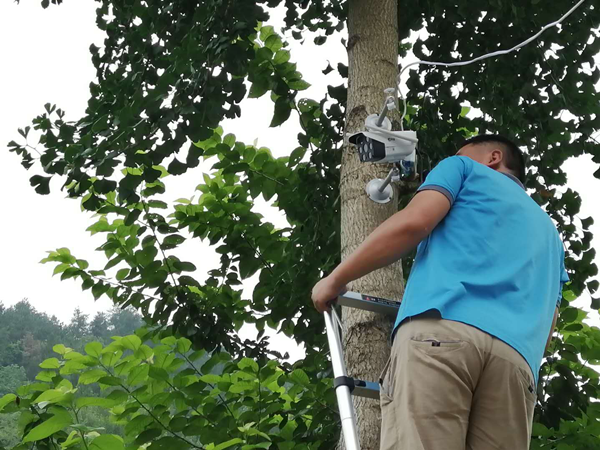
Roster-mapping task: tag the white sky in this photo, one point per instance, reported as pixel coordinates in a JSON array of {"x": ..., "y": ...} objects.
[{"x": 45, "y": 58}]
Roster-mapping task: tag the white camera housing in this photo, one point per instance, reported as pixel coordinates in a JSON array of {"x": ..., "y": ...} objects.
[{"x": 379, "y": 144}]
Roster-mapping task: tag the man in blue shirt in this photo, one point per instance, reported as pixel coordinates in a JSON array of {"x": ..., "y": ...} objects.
[{"x": 478, "y": 310}]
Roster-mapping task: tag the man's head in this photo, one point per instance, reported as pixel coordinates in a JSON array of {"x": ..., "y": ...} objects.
[{"x": 496, "y": 152}]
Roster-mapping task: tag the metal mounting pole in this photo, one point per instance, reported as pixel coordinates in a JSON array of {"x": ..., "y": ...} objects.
[
  {"x": 342, "y": 392},
  {"x": 389, "y": 104},
  {"x": 387, "y": 180}
]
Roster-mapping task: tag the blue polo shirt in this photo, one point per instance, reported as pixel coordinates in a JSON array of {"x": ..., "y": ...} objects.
[{"x": 495, "y": 262}]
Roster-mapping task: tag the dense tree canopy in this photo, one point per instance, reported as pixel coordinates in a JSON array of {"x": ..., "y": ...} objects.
[{"x": 170, "y": 72}]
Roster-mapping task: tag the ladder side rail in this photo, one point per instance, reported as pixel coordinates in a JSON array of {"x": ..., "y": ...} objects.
[{"x": 342, "y": 392}]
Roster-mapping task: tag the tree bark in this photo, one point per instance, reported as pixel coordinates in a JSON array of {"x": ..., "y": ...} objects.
[{"x": 373, "y": 67}]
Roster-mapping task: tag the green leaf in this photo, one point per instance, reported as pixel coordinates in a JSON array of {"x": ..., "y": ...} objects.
[
  {"x": 281, "y": 57},
  {"x": 229, "y": 140},
  {"x": 227, "y": 444},
  {"x": 248, "y": 154},
  {"x": 569, "y": 315},
  {"x": 107, "y": 442},
  {"x": 265, "y": 32},
  {"x": 296, "y": 156},
  {"x": 132, "y": 216},
  {"x": 282, "y": 112},
  {"x": 122, "y": 274},
  {"x": 259, "y": 88},
  {"x": 184, "y": 266},
  {"x": 118, "y": 396},
  {"x": 45, "y": 375},
  {"x": 110, "y": 381},
  {"x": 94, "y": 349},
  {"x": 41, "y": 184},
  {"x": 320, "y": 40},
  {"x": 241, "y": 386},
  {"x": 72, "y": 367},
  {"x": 300, "y": 377},
  {"x": 569, "y": 356},
  {"x": 94, "y": 401},
  {"x": 210, "y": 378},
  {"x": 144, "y": 352},
  {"x": 172, "y": 241},
  {"x": 260, "y": 158},
  {"x": 146, "y": 256},
  {"x": 287, "y": 432},
  {"x": 137, "y": 425},
  {"x": 235, "y": 168},
  {"x": 131, "y": 342},
  {"x": 91, "y": 376},
  {"x": 183, "y": 345},
  {"x": 177, "y": 167},
  {"x": 158, "y": 373},
  {"x": 57, "y": 422},
  {"x": 248, "y": 266},
  {"x": 50, "y": 363},
  {"x": 60, "y": 349},
  {"x": 99, "y": 289},
  {"x": 71, "y": 440},
  {"x": 50, "y": 396},
  {"x": 298, "y": 85},
  {"x": 178, "y": 424},
  {"x": 60, "y": 268},
  {"x": 110, "y": 358},
  {"x": 113, "y": 262},
  {"x": 8, "y": 398},
  {"x": 247, "y": 362},
  {"x": 274, "y": 43},
  {"x": 138, "y": 375}
]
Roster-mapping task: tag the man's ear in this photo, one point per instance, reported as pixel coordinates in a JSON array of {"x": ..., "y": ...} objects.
[{"x": 495, "y": 158}]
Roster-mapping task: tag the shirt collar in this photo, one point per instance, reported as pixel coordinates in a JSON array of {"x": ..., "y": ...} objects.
[{"x": 515, "y": 179}]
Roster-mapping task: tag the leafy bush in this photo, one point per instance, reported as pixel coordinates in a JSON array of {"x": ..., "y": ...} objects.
[{"x": 166, "y": 396}]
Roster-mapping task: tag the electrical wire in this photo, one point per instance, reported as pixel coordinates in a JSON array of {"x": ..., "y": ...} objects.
[{"x": 479, "y": 58}]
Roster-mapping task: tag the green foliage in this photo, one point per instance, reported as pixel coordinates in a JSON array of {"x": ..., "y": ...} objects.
[
  {"x": 167, "y": 396},
  {"x": 32, "y": 342},
  {"x": 170, "y": 72}
]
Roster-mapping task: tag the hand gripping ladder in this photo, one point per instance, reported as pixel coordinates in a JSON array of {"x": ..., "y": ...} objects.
[{"x": 343, "y": 384}]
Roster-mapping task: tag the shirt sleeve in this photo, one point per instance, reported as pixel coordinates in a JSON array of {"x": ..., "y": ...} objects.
[
  {"x": 564, "y": 276},
  {"x": 447, "y": 177}
]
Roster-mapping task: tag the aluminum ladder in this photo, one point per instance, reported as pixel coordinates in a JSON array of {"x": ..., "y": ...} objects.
[{"x": 344, "y": 385}]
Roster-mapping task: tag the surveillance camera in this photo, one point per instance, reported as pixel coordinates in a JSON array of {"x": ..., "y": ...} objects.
[{"x": 384, "y": 146}]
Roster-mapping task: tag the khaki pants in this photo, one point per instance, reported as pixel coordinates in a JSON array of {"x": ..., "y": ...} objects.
[{"x": 450, "y": 386}]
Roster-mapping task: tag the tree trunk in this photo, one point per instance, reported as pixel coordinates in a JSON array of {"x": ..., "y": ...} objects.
[{"x": 373, "y": 67}]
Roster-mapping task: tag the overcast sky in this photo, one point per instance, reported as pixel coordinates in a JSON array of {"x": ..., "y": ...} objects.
[{"x": 45, "y": 58}]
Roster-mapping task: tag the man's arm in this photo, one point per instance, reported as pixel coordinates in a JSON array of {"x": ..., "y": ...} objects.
[{"x": 393, "y": 239}]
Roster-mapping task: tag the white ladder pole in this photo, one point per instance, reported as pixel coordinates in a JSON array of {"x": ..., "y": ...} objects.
[{"x": 342, "y": 392}]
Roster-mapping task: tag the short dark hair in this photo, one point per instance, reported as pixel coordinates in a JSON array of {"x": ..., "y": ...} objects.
[{"x": 514, "y": 159}]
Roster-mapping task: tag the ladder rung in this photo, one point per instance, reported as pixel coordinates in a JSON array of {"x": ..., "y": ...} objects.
[
  {"x": 366, "y": 389},
  {"x": 368, "y": 303}
]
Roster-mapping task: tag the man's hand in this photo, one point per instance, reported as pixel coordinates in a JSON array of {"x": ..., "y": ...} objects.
[{"x": 326, "y": 292}]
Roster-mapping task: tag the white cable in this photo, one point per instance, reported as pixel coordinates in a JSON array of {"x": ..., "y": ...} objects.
[{"x": 479, "y": 58}]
